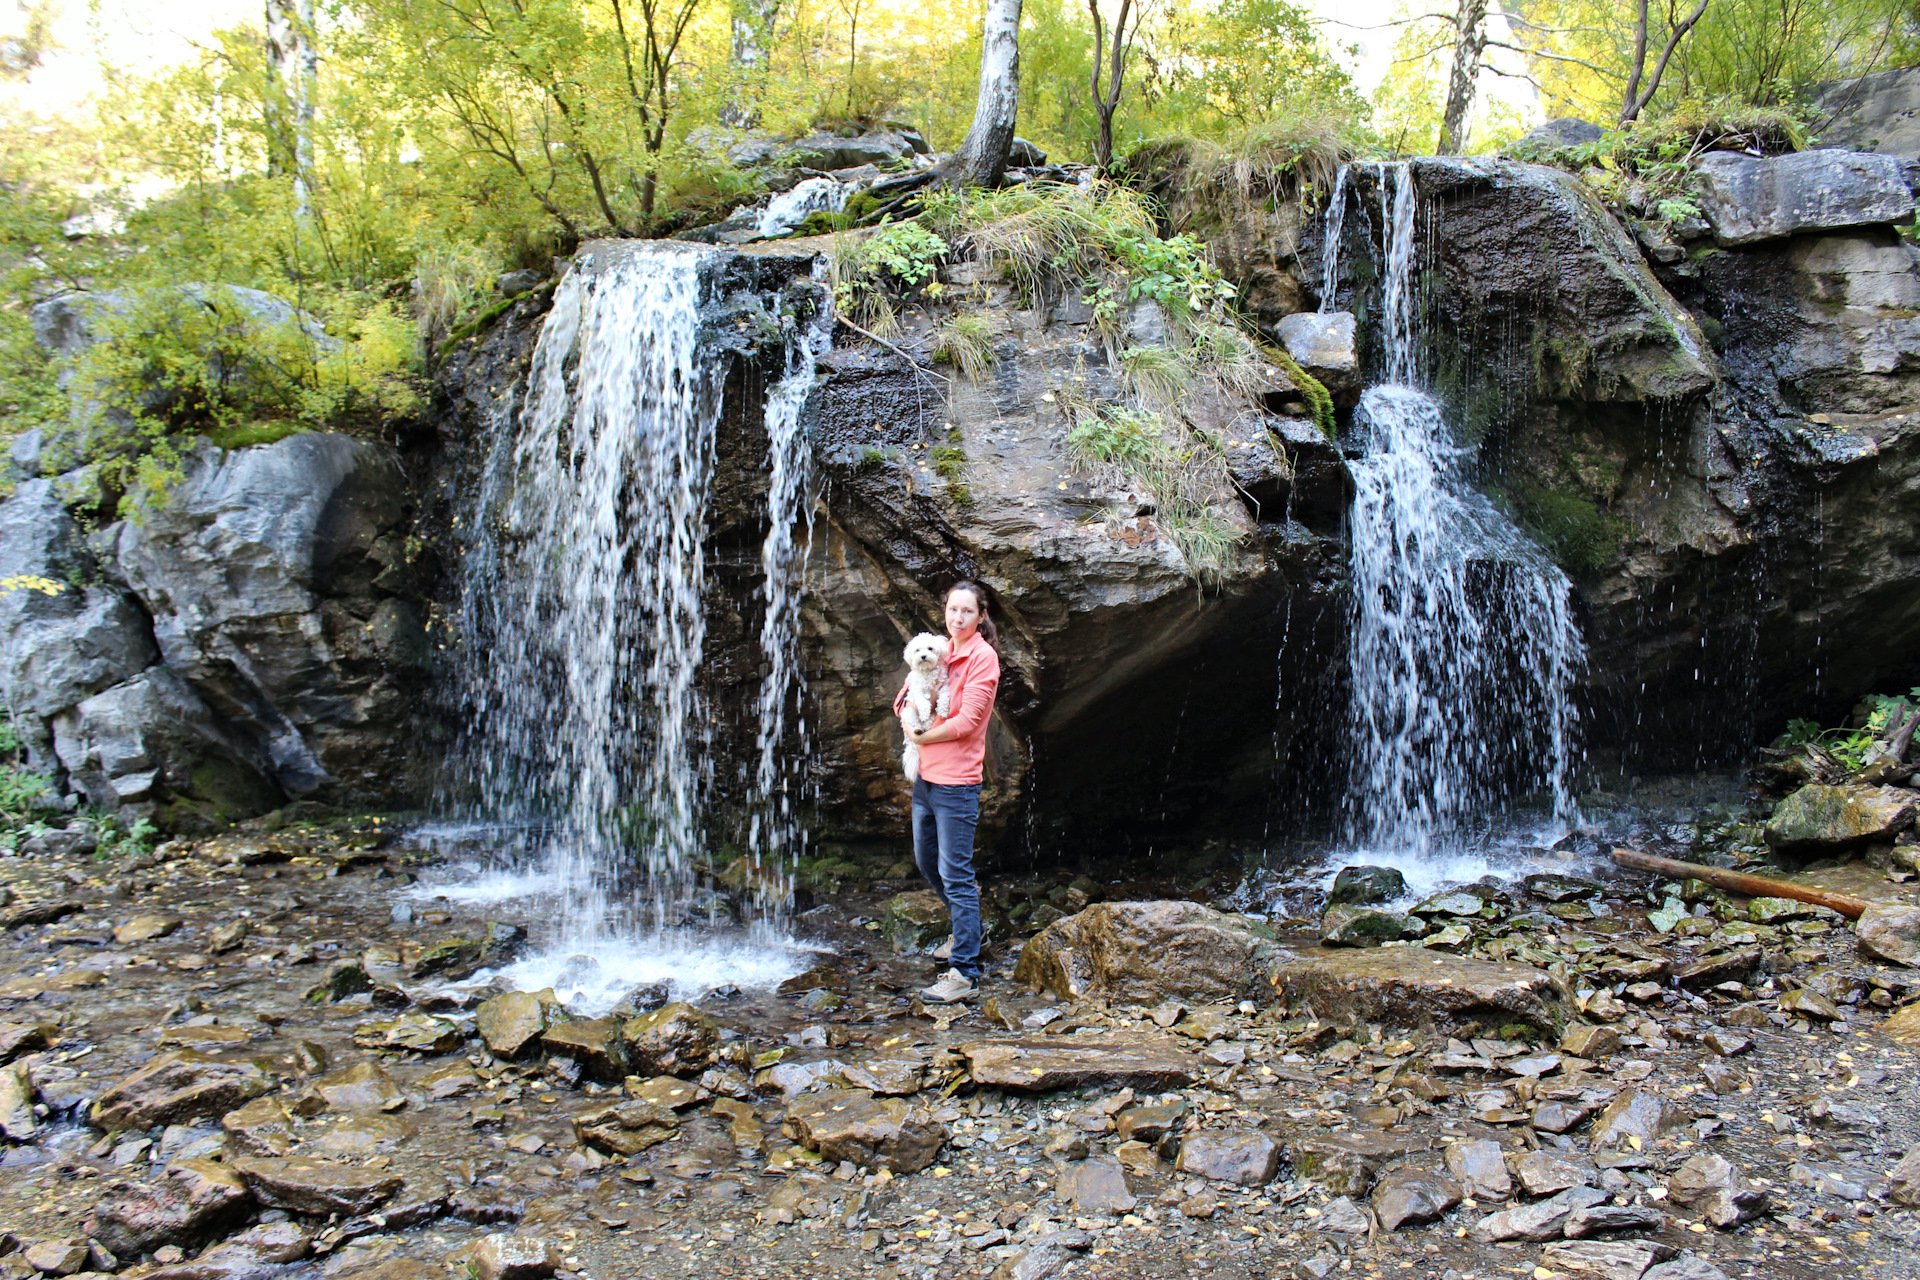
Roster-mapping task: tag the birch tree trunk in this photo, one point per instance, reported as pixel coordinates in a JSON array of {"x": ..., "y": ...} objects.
[
  {"x": 982, "y": 158},
  {"x": 1470, "y": 26},
  {"x": 292, "y": 73},
  {"x": 751, "y": 50}
]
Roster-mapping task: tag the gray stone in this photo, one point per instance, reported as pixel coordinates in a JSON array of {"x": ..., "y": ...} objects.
[
  {"x": 177, "y": 1087},
  {"x": 191, "y": 1200},
  {"x": 1748, "y": 199},
  {"x": 416, "y": 1032},
  {"x": 1542, "y": 1220},
  {"x": 1604, "y": 1259},
  {"x": 1367, "y": 884},
  {"x": 1710, "y": 1183},
  {"x": 1345, "y": 1163},
  {"x": 1145, "y": 952},
  {"x": 626, "y": 1128},
  {"x": 1879, "y": 112},
  {"x": 1689, "y": 1267},
  {"x": 675, "y": 1039},
  {"x": 1603, "y": 1219},
  {"x": 302, "y": 1184},
  {"x": 1324, "y": 344},
  {"x": 1819, "y": 818},
  {"x": 56, "y": 1257},
  {"x": 1024, "y": 154},
  {"x": 1343, "y": 1217},
  {"x": 513, "y": 1023},
  {"x": 360, "y": 1087},
  {"x": 1097, "y": 1185},
  {"x": 153, "y": 737},
  {"x": 1560, "y": 132},
  {"x": 17, "y": 1123},
  {"x": 504, "y": 1257},
  {"x": 874, "y": 1133},
  {"x": 1410, "y": 1194},
  {"x": 1109, "y": 1062},
  {"x": 1481, "y": 1167},
  {"x": 1246, "y": 1157},
  {"x": 1903, "y": 1180},
  {"x": 237, "y": 568},
  {"x": 1542, "y": 1173},
  {"x": 1637, "y": 1118},
  {"x": 593, "y": 1043},
  {"x": 512, "y": 284},
  {"x": 1348, "y": 924},
  {"x": 1890, "y": 932},
  {"x": 1415, "y": 987}
]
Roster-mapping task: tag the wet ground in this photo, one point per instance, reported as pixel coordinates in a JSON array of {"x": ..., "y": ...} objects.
[{"x": 1783, "y": 1069}]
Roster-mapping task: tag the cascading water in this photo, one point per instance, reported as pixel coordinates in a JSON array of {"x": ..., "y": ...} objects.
[
  {"x": 584, "y": 628},
  {"x": 1463, "y": 646}
]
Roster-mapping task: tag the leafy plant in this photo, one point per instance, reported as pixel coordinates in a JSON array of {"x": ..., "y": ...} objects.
[
  {"x": 872, "y": 271},
  {"x": 22, "y": 790},
  {"x": 114, "y": 838},
  {"x": 1178, "y": 471},
  {"x": 1852, "y": 746}
]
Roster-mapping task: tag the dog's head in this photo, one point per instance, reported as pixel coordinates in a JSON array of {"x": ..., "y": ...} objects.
[{"x": 925, "y": 651}]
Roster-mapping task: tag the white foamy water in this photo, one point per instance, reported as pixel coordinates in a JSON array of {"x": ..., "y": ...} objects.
[{"x": 788, "y": 209}]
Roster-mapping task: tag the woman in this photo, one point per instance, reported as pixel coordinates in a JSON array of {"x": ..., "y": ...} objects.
[{"x": 946, "y": 798}]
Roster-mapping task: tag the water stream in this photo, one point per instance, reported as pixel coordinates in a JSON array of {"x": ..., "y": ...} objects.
[
  {"x": 1463, "y": 645},
  {"x": 584, "y": 766}
]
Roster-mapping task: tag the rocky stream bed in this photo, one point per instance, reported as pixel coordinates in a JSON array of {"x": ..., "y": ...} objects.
[
  {"x": 239, "y": 1057},
  {"x": 250, "y": 1056}
]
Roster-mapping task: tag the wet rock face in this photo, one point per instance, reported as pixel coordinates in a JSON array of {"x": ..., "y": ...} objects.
[
  {"x": 179, "y": 1086},
  {"x": 1146, "y": 951},
  {"x": 192, "y": 1199},
  {"x": 675, "y": 1039},
  {"x": 874, "y": 1133}
]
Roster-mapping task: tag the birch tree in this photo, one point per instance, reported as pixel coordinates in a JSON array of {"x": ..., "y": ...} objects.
[
  {"x": 749, "y": 52},
  {"x": 982, "y": 158},
  {"x": 292, "y": 74},
  {"x": 1469, "y": 47}
]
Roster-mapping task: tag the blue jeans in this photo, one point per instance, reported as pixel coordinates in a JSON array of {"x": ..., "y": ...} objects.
[{"x": 943, "y": 821}]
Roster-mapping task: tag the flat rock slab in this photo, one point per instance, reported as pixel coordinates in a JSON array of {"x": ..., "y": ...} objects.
[
  {"x": 1142, "y": 952},
  {"x": 511, "y": 1024},
  {"x": 1890, "y": 932},
  {"x": 1415, "y": 987},
  {"x": 1042, "y": 1067},
  {"x": 1604, "y": 1259},
  {"x": 302, "y": 1184},
  {"x": 1098, "y": 1185},
  {"x": 1747, "y": 199},
  {"x": 1246, "y": 1157},
  {"x": 626, "y": 1128},
  {"x": 1345, "y": 1163},
  {"x": 179, "y": 1086},
  {"x": 1543, "y": 1220},
  {"x": 192, "y": 1198},
  {"x": 874, "y": 1133}
]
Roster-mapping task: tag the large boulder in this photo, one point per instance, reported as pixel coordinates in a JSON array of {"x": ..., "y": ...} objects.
[
  {"x": 1416, "y": 987},
  {"x": 1875, "y": 112},
  {"x": 277, "y": 580},
  {"x": 874, "y": 1133},
  {"x": 1819, "y": 818},
  {"x": 180, "y": 1086},
  {"x": 1747, "y": 199},
  {"x": 1141, "y": 952}
]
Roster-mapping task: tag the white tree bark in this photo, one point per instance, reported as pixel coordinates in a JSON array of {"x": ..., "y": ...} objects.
[
  {"x": 1470, "y": 29},
  {"x": 982, "y": 158},
  {"x": 751, "y": 50},
  {"x": 292, "y": 75}
]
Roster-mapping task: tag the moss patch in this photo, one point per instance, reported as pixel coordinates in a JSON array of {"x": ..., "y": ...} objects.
[
  {"x": 1319, "y": 399},
  {"x": 1579, "y": 536}
]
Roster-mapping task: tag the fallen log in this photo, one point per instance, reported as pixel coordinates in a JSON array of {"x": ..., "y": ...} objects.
[{"x": 1740, "y": 882}]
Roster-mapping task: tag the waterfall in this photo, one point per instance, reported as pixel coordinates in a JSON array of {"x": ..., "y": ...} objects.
[
  {"x": 1330, "y": 243},
  {"x": 584, "y": 624},
  {"x": 1463, "y": 646},
  {"x": 789, "y": 209}
]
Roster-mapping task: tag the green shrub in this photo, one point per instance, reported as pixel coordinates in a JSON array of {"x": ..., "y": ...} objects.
[
  {"x": 22, "y": 790},
  {"x": 872, "y": 272},
  {"x": 171, "y": 363}
]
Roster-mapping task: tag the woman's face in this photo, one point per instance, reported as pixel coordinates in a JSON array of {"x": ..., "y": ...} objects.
[{"x": 963, "y": 616}]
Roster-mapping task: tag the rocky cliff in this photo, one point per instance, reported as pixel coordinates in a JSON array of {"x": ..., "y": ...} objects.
[{"x": 1713, "y": 435}]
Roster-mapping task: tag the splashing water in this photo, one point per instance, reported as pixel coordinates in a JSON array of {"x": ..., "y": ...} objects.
[
  {"x": 789, "y": 209},
  {"x": 1463, "y": 647},
  {"x": 586, "y": 750},
  {"x": 1330, "y": 243}
]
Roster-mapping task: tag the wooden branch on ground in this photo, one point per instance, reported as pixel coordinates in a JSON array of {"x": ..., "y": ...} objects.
[{"x": 1740, "y": 882}]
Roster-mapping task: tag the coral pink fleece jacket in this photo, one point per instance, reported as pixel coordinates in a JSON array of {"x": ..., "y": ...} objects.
[{"x": 973, "y": 678}]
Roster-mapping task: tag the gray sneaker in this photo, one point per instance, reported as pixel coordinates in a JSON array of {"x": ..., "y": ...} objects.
[
  {"x": 945, "y": 950},
  {"x": 953, "y": 986}
]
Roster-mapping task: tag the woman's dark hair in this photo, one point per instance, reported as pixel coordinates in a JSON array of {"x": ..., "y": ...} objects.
[{"x": 979, "y": 594}]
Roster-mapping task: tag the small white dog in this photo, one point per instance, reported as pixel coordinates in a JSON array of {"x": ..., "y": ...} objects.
[{"x": 927, "y": 693}]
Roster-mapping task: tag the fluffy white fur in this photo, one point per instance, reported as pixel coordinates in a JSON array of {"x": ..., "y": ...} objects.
[{"x": 927, "y": 693}]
